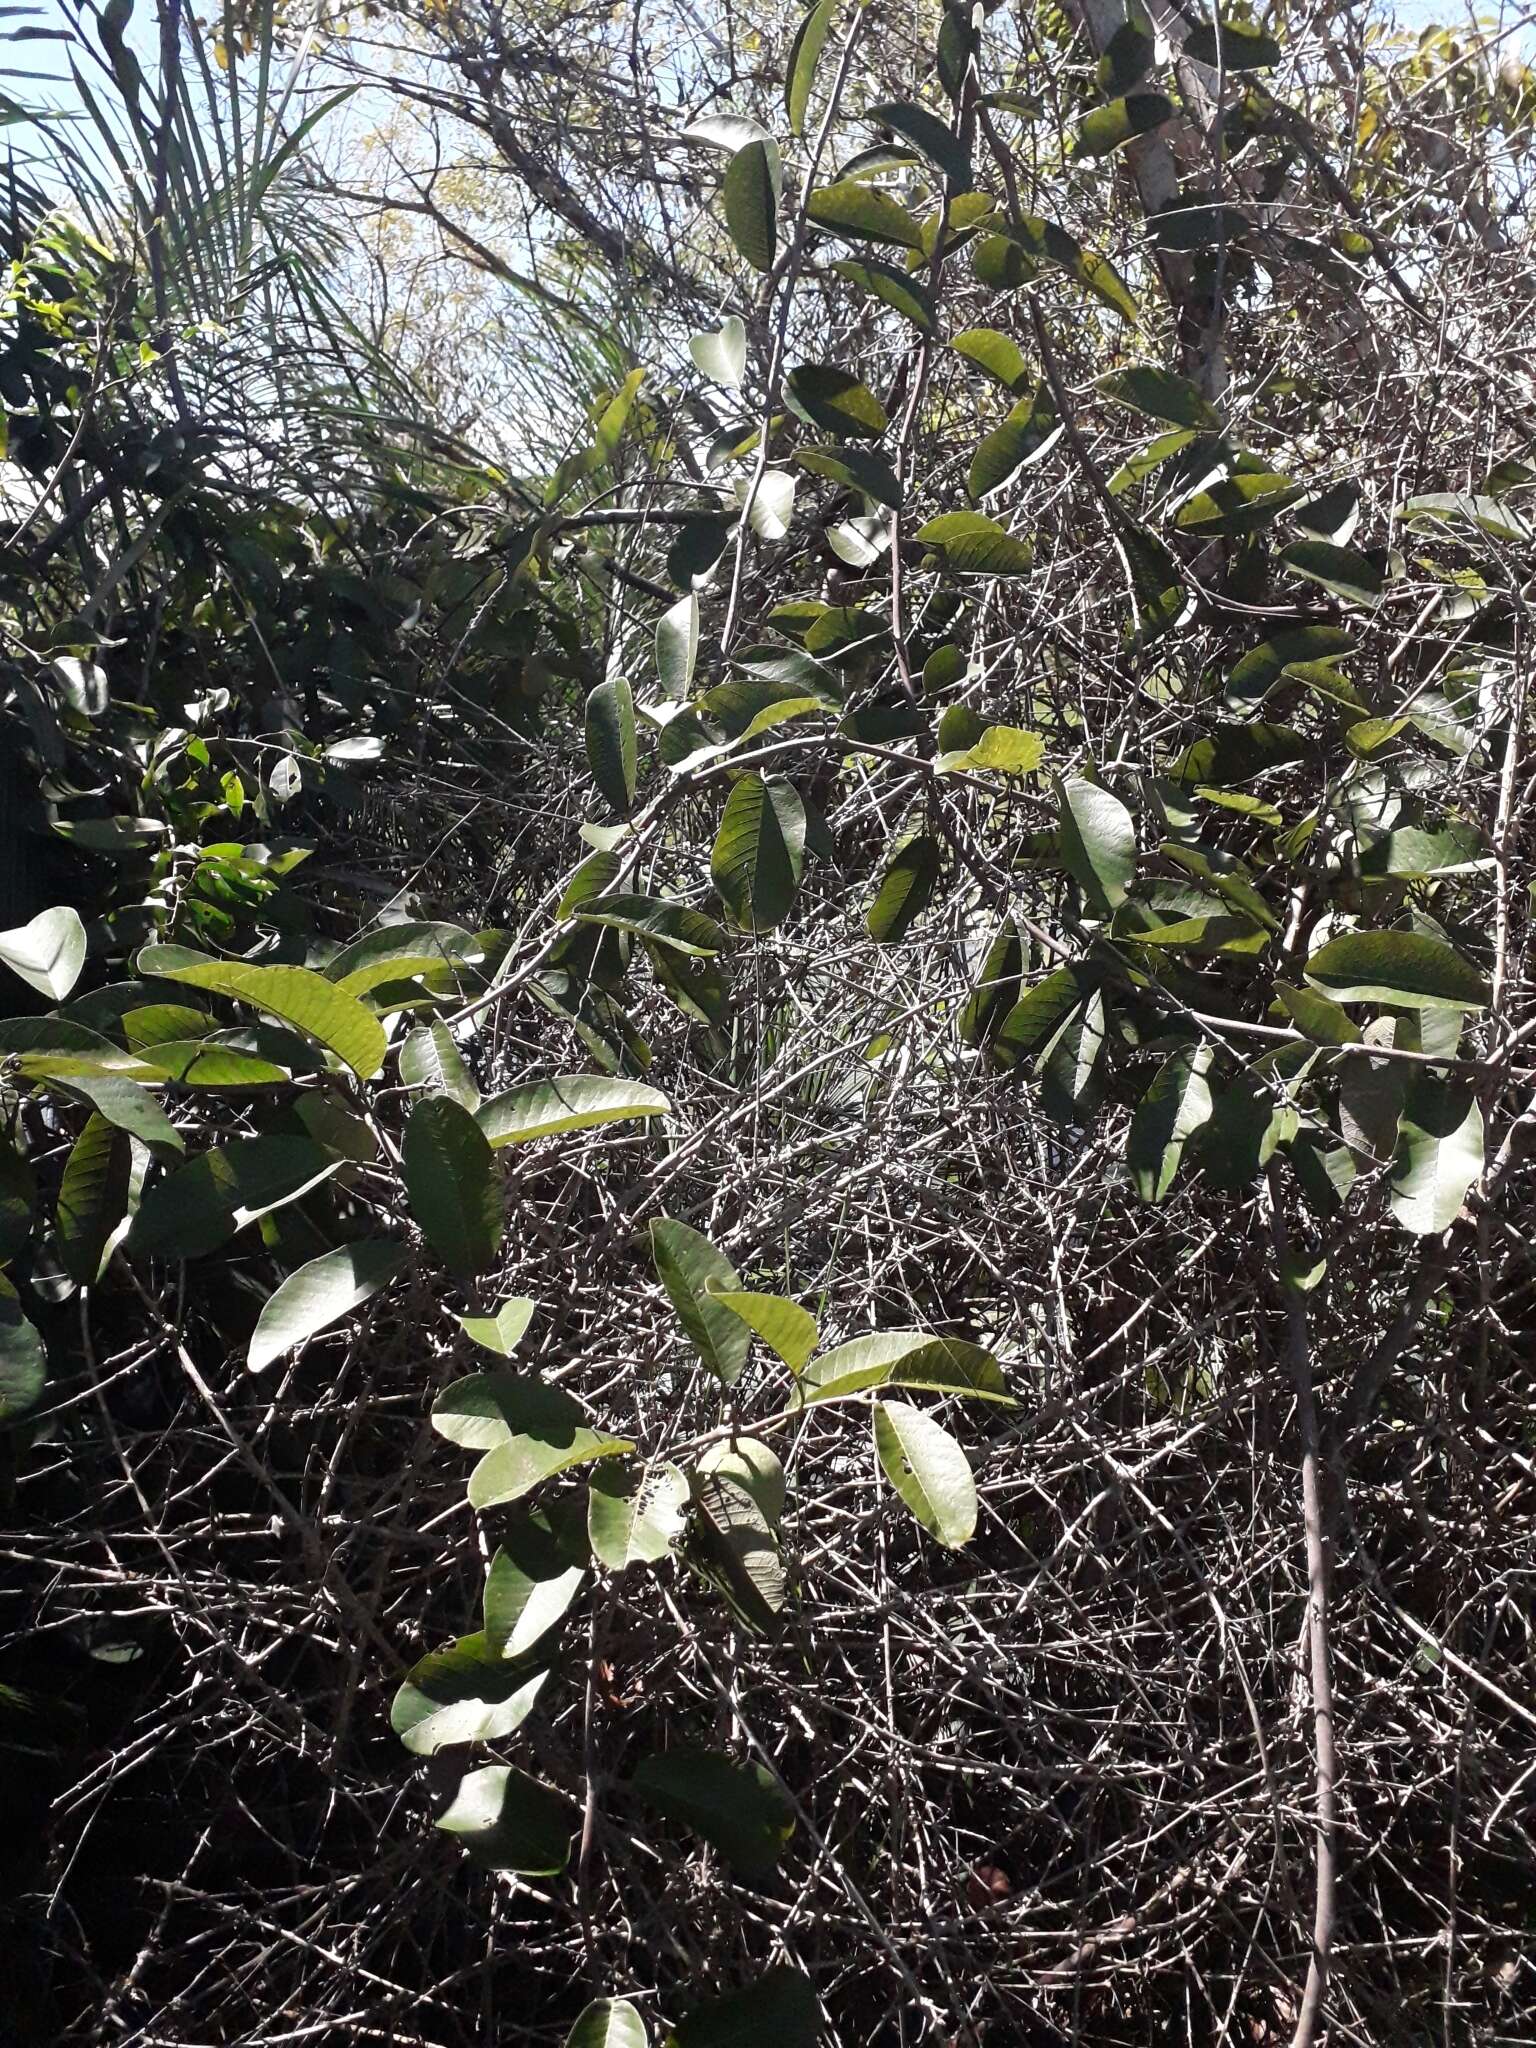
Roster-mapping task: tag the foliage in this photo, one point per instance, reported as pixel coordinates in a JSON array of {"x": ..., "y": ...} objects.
[{"x": 770, "y": 955}]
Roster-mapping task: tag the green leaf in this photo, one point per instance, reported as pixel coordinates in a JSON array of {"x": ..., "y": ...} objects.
[
  {"x": 1106, "y": 128},
  {"x": 660, "y": 922},
  {"x": 1460, "y": 508},
  {"x": 897, "y": 289},
  {"x": 1238, "y": 504},
  {"x": 750, "y": 1464},
  {"x": 694, "y": 1272},
  {"x": 1149, "y": 458},
  {"x": 1408, "y": 851},
  {"x": 1162, "y": 396},
  {"x": 1098, "y": 843},
  {"x": 732, "y": 1544},
  {"x": 906, "y": 888},
  {"x": 1236, "y": 753},
  {"x": 610, "y": 729},
  {"x": 857, "y": 212},
  {"x": 503, "y": 1330},
  {"x": 1005, "y": 749},
  {"x": 835, "y": 401},
  {"x": 202, "y": 1204},
  {"x": 529, "y": 1588},
  {"x": 759, "y": 851},
  {"x": 739, "y": 1809},
  {"x": 1439, "y": 1154},
  {"x": 213, "y": 1062},
  {"x": 800, "y": 72},
  {"x": 905, "y": 1358},
  {"x": 677, "y": 648},
  {"x": 857, "y": 469},
  {"x": 23, "y": 1363},
  {"x": 527, "y": 1430},
  {"x": 452, "y": 1184},
  {"x": 929, "y": 135},
  {"x": 568, "y": 1102},
  {"x": 784, "y": 1326},
  {"x": 48, "y": 953},
  {"x": 1177, "y": 1104},
  {"x": 929, "y": 1471},
  {"x": 396, "y": 952},
  {"x": 996, "y": 988},
  {"x": 778, "y": 2011},
  {"x": 635, "y": 1517},
  {"x": 998, "y": 354},
  {"x": 1408, "y": 969},
  {"x": 750, "y": 194},
  {"x": 614, "y": 2022},
  {"x": 1319, "y": 1017},
  {"x": 1347, "y": 573},
  {"x": 430, "y": 1059},
  {"x": 1030, "y": 431},
  {"x": 18, "y": 1202},
  {"x": 1263, "y": 666},
  {"x": 722, "y": 353},
  {"x": 319, "y": 1294},
  {"x": 130, "y": 1107},
  {"x": 298, "y": 997},
  {"x": 509, "y": 1821},
  {"x": 1240, "y": 47},
  {"x": 466, "y": 1693},
  {"x": 93, "y": 1197},
  {"x": 974, "y": 545},
  {"x": 1128, "y": 57}
]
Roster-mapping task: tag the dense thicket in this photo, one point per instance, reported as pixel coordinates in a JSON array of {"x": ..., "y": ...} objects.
[{"x": 778, "y": 767}]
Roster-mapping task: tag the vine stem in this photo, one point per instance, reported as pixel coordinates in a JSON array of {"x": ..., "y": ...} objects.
[{"x": 1298, "y": 1358}]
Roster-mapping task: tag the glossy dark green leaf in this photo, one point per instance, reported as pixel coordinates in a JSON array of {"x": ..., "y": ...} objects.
[
  {"x": 614, "y": 2022},
  {"x": 834, "y": 401},
  {"x": 750, "y": 196},
  {"x": 694, "y": 1271},
  {"x": 465, "y": 1693},
  {"x": 1439, "y": 1154},
  {"x": 800, "y": 70},
  {"x": 779, "y": 2010},
  {"x": 1233, "y": 46},
  {"x": 739, "y": 1809},
  {"x": 1238, "y": 504},
  {"x": 998, "y": 354},
  {"x": 858, "y": 212},
  {"x": 857, "y": 469},
  {"x": 610, "y": 732},
  {"x": 18, "y": 1202},
  {"x": 1030, "y": 431},
  {"x": 928, "y": 134},
  {"x": 658, "y": 921},
  {"x": 319, "y": 1294},
  {"x": 1098, "y": 843},
  {"x": 452, "y": 1184},
  {"x": 509, "y": 1821},
  {"x": 759, "y": 851},
  {"x": 905, "y": 1358},
  {"x": 1177, "y": 1104},
  {"x": 973, "y": 545},
  {"x": 567, "y": 1102},
  {"x": 906, "y": 888},
  {"x": 1161, "y": 395},
  {"x": 1121, "y": 121},
  {"x": 307, "y": 1001},
  {"x": 93, "y": 1196},
  {"x": 1408, "y": 969},
  {"x": 1344, "y": 571},
  {"x": 898, "y": 289},
  {"x": 199, "y": 1206},
  {"x": 23, "y": 1361},
  {"x": 528, "y": 1430}
]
